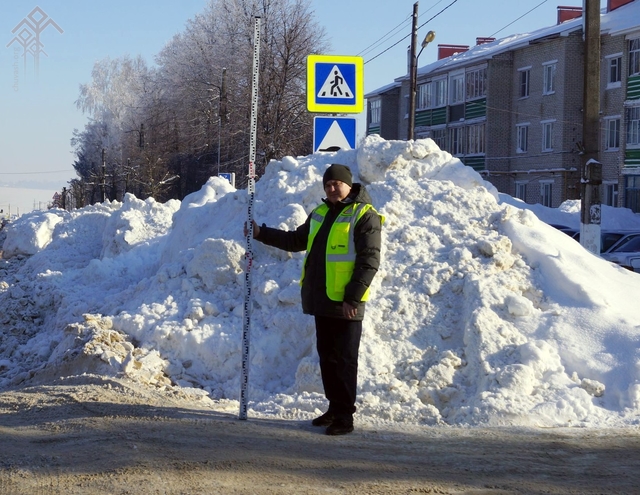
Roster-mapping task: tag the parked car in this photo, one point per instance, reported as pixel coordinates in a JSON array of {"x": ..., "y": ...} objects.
[
  {"x": 625, "y": 252},
  {"x": 608, "y": 239},
  {"x": 563, "y": 228}
]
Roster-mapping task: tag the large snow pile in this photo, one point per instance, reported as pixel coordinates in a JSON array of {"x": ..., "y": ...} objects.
[{"x": 481, "y": 313}]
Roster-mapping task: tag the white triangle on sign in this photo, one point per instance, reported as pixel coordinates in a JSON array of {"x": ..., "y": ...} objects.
[
  {"x": 334, "y": 137},
  {"x": 335, "y": 86}
]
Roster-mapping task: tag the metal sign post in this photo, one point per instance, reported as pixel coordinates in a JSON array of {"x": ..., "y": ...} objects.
[{"x": 244, "y": 378}]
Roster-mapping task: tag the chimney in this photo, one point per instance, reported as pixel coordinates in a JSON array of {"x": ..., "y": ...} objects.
[
  {"x": 614, "y": 4},
  {"x": 482, "y": 41},
  {"x": 445, "y": 51},
  {"x": 568, "y": 13}
]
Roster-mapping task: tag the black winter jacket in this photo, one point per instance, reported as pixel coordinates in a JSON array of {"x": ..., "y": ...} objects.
[{"x": 367, "y": 236}]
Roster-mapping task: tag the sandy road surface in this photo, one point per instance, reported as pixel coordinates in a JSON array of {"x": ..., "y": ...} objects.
[{"x": 112, "y": 437}]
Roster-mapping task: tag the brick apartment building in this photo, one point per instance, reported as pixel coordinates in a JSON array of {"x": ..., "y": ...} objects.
[{"x": 512, "y": 108}]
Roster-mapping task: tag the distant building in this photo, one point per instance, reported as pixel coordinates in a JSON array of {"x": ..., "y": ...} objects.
[{"x": 512, "y": 108}]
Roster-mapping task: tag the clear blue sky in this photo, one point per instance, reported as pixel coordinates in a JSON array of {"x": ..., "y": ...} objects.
[{"x": 38, "y": 116}]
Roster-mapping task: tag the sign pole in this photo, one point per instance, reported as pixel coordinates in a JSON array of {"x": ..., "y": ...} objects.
[{"x": 244, "y": 379}]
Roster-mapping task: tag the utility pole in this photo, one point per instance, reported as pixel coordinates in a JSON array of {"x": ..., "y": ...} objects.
[
  {"x": 591, "y": 178},
  {"x": 104, "y": 177},
  {"x": 222, "y": 108},
  {"x": 413, "y": 73}
]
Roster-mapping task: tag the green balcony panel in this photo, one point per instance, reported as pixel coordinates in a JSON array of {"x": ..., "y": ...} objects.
[
  {"x": 633, "y": 88},
  {"x": 475, "y": 109}
]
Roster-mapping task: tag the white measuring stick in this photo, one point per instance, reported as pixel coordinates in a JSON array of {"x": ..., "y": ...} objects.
[{"x": 251, "y": 188}]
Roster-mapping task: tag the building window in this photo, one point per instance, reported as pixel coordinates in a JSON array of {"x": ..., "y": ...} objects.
[
  {"x": 522, "y": 137},
  {"x": 612, "y": 136},
  {"x": 440, "y": 93},
  {"x": 546, "y": 193},
  {"x": 633, "y": 126},
  {"x": 614, "y": 78},
  {"x": 521, "y": 190},
  {"x": 475, "y": 139},
  {"x": 424, "y": 95},
  {"x": 524, "y": 82},
  {"x": 374, "y": 111},
  {"x": 476, "y": 83},
  {"x": 547, "y": 135},
  {"x": 634, "y": 57},
  {"x": 549, "y": 83},
  {"x": 456, "y": 140},
  {"x": 632, "y": 193},
  {"x": 457, "y": 89},
  {"x": 610, "y": 193},
  {"x": 440, "y": 137}
]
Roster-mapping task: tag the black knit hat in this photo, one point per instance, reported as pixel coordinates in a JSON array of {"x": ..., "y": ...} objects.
[{"x": 338, "y": 172}]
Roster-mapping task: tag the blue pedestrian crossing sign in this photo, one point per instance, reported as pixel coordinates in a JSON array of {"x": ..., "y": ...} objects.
[
  {"x": 334, "y": 133},
  {"x": 335, "y": 84}
]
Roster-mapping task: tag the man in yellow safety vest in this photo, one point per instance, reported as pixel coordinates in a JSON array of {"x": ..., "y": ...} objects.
[{"x": 342, "y": 238}]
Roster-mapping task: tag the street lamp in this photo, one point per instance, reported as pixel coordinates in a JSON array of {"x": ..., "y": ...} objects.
[{"x": 413, "y": 82}]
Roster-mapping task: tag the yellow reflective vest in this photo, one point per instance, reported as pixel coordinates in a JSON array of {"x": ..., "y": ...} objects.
[{"x": 341, "y": 250}]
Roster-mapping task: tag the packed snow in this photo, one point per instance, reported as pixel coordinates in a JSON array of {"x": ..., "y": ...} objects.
[{"x": 481, "y": 313}]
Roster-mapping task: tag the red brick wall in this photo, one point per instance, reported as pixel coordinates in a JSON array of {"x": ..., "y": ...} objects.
[
  {"x": 568, "y": 13},
  {"x": 448, "y": 50},
  {"x": 614, "y": 4}
]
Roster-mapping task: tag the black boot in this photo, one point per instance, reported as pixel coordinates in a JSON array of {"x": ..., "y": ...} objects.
[
  {"x": 340, "y": 427},
  {"x": 325, "y": 420}
]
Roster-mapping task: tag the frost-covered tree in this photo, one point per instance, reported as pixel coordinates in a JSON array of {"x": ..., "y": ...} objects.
[
  {"x": 115, "y": 102},
  {"x": 168, "y": 129}
]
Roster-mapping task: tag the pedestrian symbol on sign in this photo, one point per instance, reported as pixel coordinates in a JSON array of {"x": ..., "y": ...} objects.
[{"x": 335, "y": 86}]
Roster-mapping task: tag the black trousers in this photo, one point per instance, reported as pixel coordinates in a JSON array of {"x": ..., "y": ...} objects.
[{"x": 338, "y": 342}]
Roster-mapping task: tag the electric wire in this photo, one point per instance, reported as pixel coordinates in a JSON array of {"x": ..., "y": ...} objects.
[
  {"x": 380, "y": 40},
  {"x": 384, "y": 37},
  {"x": 407, "y": 36},
  {"x": 405, "y": 23},
  {"x": 516, "y": 20}
]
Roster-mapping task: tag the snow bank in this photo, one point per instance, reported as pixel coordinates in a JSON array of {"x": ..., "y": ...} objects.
[{"x": 481, "y": 314}]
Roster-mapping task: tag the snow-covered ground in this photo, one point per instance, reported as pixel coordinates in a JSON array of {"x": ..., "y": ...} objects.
[{"x": 481, "y": 313}]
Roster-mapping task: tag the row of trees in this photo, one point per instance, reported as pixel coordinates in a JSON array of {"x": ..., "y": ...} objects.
[{"x": 162, "y": 131}]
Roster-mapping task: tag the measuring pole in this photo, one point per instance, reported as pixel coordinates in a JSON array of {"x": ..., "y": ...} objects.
[{"x": 251, "y": 188}]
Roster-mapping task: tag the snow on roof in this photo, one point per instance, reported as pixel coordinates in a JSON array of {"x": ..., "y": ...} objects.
[
  {"x": 623, "y": 20},
  {"x": 384, "y": 89}
]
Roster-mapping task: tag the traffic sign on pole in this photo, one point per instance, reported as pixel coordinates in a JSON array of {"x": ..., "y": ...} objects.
[
  {"x": 335, "y": 84},
  {"x": 333, "y": 133}
]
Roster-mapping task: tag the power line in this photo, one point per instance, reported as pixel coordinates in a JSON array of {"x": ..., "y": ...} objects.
[
  {"x": 427, "y": 22},
  {"x": 405, "y": 23},
  {"x": 408, "y": 35},
  {"x": 380, "y": 40},
  {"x": 516, "y": 20},
  {"x": 384, "y": 37}
]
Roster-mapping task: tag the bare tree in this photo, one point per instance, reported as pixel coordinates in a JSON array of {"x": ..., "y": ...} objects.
[{"x": 167, "y": 130}]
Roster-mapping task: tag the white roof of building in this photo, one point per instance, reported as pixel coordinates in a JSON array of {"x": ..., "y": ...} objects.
[{"x": 623, "y": 20}]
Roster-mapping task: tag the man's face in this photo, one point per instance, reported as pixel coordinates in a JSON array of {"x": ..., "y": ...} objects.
[{"x": 336, "y": 190}]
